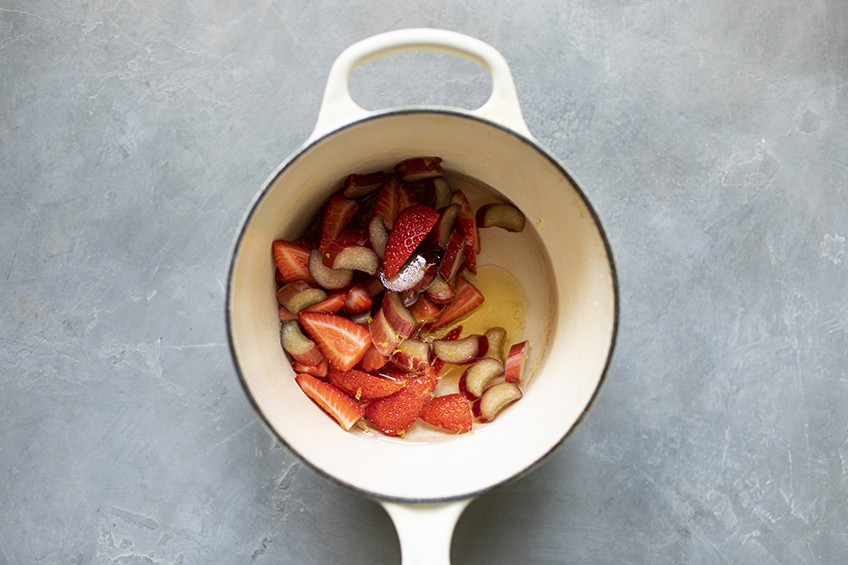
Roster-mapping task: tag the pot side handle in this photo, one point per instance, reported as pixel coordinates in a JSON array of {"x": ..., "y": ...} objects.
[
  {"x": 425, "y": 530},
  {"x": 338, "y": 108}
]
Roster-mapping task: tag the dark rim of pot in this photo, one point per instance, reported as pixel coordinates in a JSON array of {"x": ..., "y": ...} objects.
[{"x": 460, "y": 114}]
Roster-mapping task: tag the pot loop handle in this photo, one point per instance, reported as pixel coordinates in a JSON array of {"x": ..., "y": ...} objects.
[{"x": 338, "y": 108}]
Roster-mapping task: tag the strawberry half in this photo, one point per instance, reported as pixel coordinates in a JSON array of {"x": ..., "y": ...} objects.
[
  {"x": 336, "y": 403},
  {"x": 358, "y": 299},
  {"x": 450, "y": 412},
  {"x": 292, "y": 260},
  {"x": 395, "y": 414},
  {"x": 411, "y": 227},
  {"x": 467, "y": 298},
  {"x": 342, "y": 341},
  {"x": 337, "y": 215},
  {"x": 362, "y": 386}
]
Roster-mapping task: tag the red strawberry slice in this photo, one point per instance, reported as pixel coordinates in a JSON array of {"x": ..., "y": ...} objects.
[
  {"x": 373, "y": 360},
  {"x": 388, "y": 200},
  {"x": 395, "y": 414},
  {"x": 292, "y": 260},
  {"x": 320, "y": 370},
  {"x": 411, "y": 227},
  {"x": 358, "y": 299},
  {"x": 424, "y": 310},
  {"x": 342, "y": 341},
  {"x": 336, "y": 403},
  {"x": 450, "y": 412},
  {"x": 467, "y": 298},
  {"x": 337, "y": 214},
  {"x": 362, "y": 386},
  {"x": 331, "y": 305}
]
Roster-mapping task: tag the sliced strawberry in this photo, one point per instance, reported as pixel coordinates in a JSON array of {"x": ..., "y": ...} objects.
[
  {"x": 320, "y": 370},
  {"x": 336, "y": 403},
  {"x": 450, "y": 412},
  {"x": 362, "y": 386},
  {"x": 292, "y": 260},
  {"x": 425, "y": 310},
  {"x": 411, "y": 227},
  {"x": 395, "y": 414},
  {"x": 467, "y": 298},
  {"x": 337, "y": 214},
  {"x": 388, "y": 200},
  {"x": 331, "y": 305},
  {"x": 342, "y": 341},
  {"x": 373, "y": 360},
  {"x": 279, "y": 278},
  {"x": 358, "y": 299}
]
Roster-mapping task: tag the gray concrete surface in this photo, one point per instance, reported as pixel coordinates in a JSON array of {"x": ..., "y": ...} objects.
[{"x": 711, "y": 136}]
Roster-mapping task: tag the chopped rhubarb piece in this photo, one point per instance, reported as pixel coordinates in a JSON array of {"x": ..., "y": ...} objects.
[
  {"x": 298, "y": 295},
  {"x": 361, "y": 185},
  {"x": 333, "y": 401},
  {"x": 454, "y": 258},
  {"x": 292, "y": 260},
  {"x": 398, "y": 315},
  {"x": 411, "y": 226},
  {"x": 441, "y": 232},
  {"x": 331, "y": 279},
  {"x": 388, "y": 200},
  {"x": 372, "y": 285},
  {"x": 358, "y": 299},
  {"x": 450, "y": 412},
  {"x": 395, "y": 414},
  {"x": 406, "y": 198},
  {"x": 460, "y": 351},
  {"x": 362, "y": 386},
  {"x": 341, "y": 254},
  {"x": 418, "y": 168},
  {"x": 337, "y": 214},
  {"x": 378, "y": 235},
  {"x": 285, "y": 315},
  {"x": 451, "y": 335},
  {"x": 331, "y": 305},
  {"x": 440, "y": 291},
  {"x": 496, "y": 336},
  {"x": 501, "y": 215},
  {"x": 478, "y": 375},
  {"x": 417, "y": 273},
  {"x": 373, "y": 360},
  {"x": 384, "y": 337},
  {"x": 437, "y": 192},
  {"x": 468, "y": 226},
  {"x": 320, "y": 370},
  {"x": 515, "y": 362},
  {"x": 301, "y": 348},
  {"x": 495, "y": 399},
  {"x": 342, "y": 341},
  {"x": 467, "y": 298},
  {"x": 412, "y": 356}
]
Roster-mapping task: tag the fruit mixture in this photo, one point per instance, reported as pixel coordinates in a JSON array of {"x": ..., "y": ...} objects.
[{"x": 370, "y": 301}]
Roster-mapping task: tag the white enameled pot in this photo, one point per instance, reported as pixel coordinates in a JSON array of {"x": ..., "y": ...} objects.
[{"x": 562, "y": 263}]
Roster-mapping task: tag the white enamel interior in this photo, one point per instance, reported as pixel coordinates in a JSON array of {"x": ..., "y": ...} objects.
[{"x": 560, "y": 261}]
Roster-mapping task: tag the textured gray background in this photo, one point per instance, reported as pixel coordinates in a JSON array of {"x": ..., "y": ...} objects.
[{"x": 711, "y": 136}]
